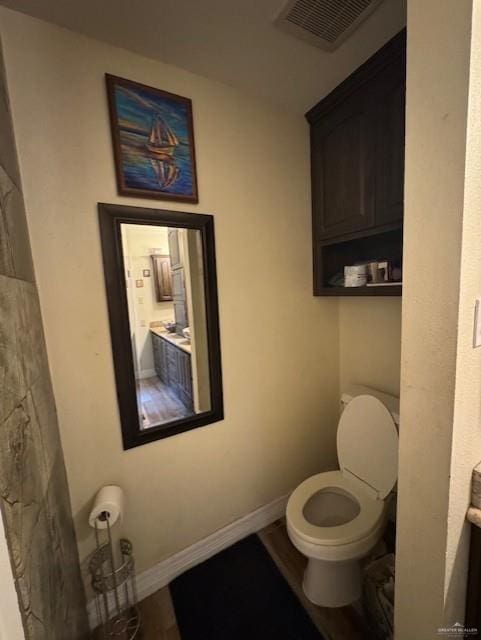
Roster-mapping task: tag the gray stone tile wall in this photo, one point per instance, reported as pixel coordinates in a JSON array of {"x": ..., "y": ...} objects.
[{"x": 34, "y": 498}]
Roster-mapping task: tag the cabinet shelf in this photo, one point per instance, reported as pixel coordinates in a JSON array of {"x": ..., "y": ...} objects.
[{"x": 376, "y": 247}]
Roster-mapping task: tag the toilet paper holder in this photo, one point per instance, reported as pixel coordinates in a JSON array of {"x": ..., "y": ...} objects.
[{"x": 112, "y": 572}]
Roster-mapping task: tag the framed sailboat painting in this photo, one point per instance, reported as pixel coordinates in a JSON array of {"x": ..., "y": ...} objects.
[{"x": 153, "y": 140}]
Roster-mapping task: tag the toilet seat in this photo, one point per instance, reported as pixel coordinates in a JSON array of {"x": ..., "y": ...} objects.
[
  {"x": 370, "y": 515},
  {"x": 368, "y": 443}
]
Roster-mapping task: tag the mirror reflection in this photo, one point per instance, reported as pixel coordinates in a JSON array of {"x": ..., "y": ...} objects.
[{"x": 164, "y": 280}]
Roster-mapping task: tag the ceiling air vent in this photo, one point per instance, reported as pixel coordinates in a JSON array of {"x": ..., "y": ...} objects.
[{"x": 324, "y": 23}]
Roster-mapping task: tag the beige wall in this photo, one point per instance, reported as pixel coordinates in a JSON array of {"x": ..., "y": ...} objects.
[
  {"x": 370, "y": 343},
  {"x": 430, "y": 511},
  {"x": 466, "y": 447},
  {"x": 279, "y": 343}
]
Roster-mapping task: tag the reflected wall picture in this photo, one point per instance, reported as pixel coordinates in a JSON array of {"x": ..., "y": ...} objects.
[
  {"x": 153, "y": 141},
  {"x": 166, "y": 304}
]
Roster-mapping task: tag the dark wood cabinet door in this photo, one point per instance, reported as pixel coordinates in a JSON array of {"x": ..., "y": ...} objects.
[
  {"x": 389, "y": 111},
  {"x": 162, "y": 278},
  {"x": 163, "y": 361},
  {"x": 156, "y": 346},
  {"x": 357, "y": 148},
  {"x": 171, "y": 365},
  {"x": 185, "y": 379},
  {"x": 160, "y": 357},
  {"x": 343, "y": 169}
]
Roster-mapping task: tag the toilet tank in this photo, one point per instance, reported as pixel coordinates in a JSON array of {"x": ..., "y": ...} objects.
[{"x": 390, "y": 402}]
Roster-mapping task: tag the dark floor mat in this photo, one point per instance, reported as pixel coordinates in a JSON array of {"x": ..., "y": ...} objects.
[{"x": 239, "y": 594}]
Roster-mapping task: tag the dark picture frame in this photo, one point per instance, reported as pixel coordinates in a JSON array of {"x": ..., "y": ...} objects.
[
  {"x": 111, "y": 216},
  {"x": 153, "y": 141}
]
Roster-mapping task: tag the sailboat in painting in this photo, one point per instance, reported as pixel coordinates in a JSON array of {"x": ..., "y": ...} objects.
[
  {"x": 161, "y": 145},
  {"x": 162, "y": 140},
  {"x": 166, "y": 171}
]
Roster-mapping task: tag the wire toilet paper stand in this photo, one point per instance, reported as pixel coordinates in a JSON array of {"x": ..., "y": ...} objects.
[{"x": 115, "y": 589}]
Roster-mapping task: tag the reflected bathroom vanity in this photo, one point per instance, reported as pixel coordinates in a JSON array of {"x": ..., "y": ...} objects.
[
  {"x": 172, "y": 364},
  {"x": 161, "y": 287}
]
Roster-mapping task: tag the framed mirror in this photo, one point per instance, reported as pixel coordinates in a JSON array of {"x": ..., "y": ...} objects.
[{"x": 161, "y": 285}]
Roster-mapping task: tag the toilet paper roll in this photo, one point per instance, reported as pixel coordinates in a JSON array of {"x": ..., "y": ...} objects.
[
  {"x": 109, "y": 500},
  {"x": 355, "y": 275}
]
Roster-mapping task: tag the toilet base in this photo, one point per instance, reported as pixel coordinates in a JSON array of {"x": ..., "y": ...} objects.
[{"x": 332, "y": 584}]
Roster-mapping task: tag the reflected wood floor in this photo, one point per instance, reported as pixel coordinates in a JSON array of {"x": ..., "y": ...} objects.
[
  {"x": 158, "y": 403},
  {"x": 158, "y": 615}
]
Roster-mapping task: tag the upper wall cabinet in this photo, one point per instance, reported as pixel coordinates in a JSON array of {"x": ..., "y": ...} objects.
[
  {"x": 342, "y": 154},
  {"x": 357, "y": 154},
  {"x": 389, "y": 94},
  {"x": 162, "y": 278}
]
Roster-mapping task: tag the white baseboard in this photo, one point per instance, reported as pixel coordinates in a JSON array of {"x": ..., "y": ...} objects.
[
  {"x": 158, "y": 576},
  {"x": 161, "y": 574}
]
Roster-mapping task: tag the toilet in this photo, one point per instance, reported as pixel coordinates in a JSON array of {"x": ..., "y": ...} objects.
[{"x": 336, "y": 518}]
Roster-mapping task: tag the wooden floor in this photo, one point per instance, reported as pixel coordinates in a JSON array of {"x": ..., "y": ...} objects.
[
  {"x": 158, "y": 616},
  {"x": 158, "y": 403}
]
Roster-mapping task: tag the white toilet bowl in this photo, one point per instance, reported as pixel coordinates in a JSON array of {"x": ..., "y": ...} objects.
[{"x": 337, "y": 517}]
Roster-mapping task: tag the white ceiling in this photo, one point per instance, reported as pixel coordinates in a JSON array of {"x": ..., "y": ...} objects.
[{"x": 233, "y": 41}]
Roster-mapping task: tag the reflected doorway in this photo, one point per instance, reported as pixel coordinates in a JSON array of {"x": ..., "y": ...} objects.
[{"x": 164, "y": 281}]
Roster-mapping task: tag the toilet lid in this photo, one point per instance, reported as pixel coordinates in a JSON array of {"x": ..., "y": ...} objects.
[{"x": 367, "y": 443}]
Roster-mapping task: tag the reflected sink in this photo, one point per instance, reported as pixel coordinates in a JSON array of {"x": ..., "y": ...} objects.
[{"x": 176, "y": 339}]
